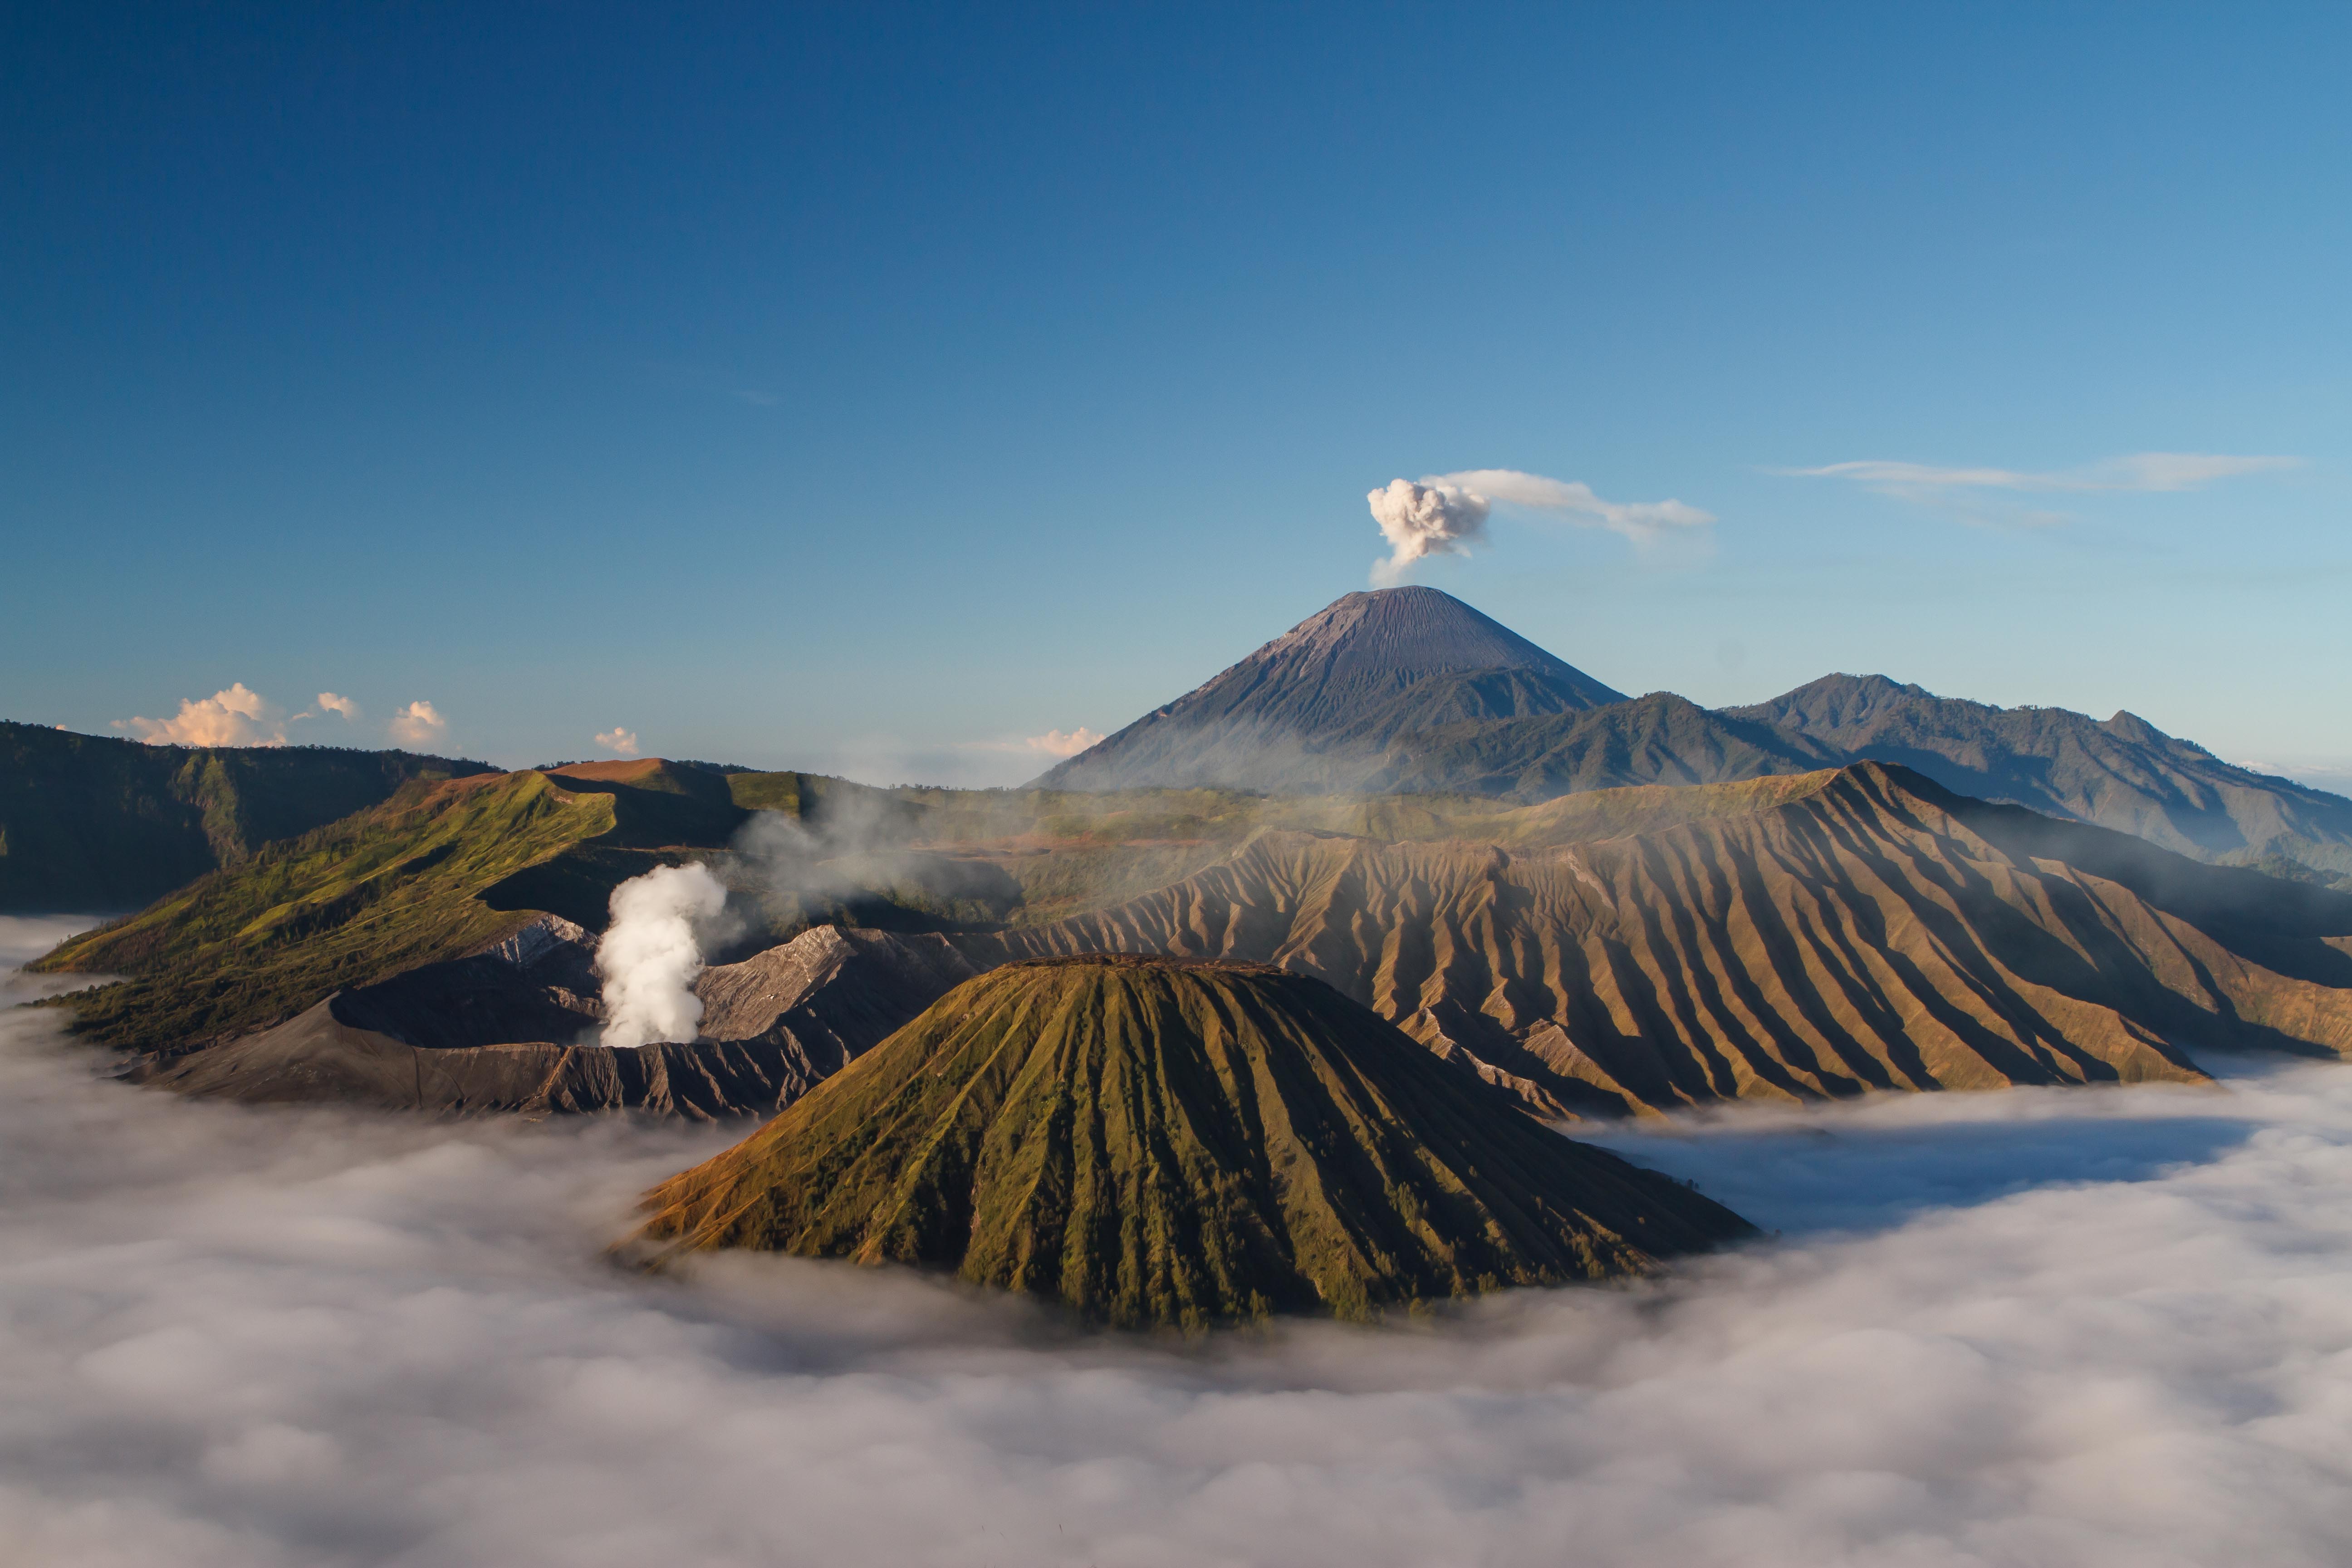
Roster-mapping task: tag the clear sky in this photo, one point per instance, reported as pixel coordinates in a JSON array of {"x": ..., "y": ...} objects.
[{"x": 873, "y": 387}]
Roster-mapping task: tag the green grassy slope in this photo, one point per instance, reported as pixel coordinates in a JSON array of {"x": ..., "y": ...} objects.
[
  {"x": 437, "y": 871},
  {"x": 363, "y": 899},
  {"x": 92, "y": 823},
  {"x": 1160, "y": 1144}
]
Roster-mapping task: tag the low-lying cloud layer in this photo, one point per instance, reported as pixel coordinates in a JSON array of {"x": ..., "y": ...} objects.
[
  {"x": 1445, "y": 514},
  {"x": 2047, "y": 1327}
]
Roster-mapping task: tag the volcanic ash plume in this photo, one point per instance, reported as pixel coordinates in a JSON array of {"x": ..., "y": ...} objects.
[
  {"x": 651, "y": 953},
  {"x": 1422, "y": 520}
]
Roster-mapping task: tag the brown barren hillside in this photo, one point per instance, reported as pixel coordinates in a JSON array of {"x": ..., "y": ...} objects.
[
  {"x": 1871, "y": 932},
  {"x": 1164, "y": 1143}
]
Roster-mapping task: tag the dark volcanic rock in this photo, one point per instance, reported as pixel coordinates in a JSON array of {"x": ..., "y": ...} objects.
[{"x": 513, "y": 1028}]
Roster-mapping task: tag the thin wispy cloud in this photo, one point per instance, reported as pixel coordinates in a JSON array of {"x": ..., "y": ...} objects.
[
  {"x": 2140, "y": 472},
  {"x": 1445, "y": 514}
]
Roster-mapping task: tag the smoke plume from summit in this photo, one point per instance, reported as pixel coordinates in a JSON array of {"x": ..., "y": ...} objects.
[
  {"x": 1418, "y": 520},
  {"x": 1446, "y": 513}
]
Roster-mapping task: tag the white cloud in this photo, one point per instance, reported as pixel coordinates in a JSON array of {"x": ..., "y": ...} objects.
[
  {"x": 331, "y": 703},
  {"x": 2087, "y": 1329},
  {"x": 618, "y": 739},
  {"x": 2140, "y": 471},
  {"x": 419, "y": 725},
  {"x": 1054, "y": 743},
  {"x": 233, "y": 716}
]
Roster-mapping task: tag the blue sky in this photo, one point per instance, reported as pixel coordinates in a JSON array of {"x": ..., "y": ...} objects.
[{"x": 872, "y": 388}]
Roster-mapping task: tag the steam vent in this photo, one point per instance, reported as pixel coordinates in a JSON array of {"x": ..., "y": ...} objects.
[{"x": 1163, "y": 1143}]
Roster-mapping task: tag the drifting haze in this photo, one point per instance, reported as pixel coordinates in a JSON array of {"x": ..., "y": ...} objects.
[
  {"x": 2065, "y": 1328},
  {"x": 1446, "y": 513},
  {"x": 2140, "y": 471}
]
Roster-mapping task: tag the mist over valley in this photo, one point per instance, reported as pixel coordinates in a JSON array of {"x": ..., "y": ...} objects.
[{"x": 1175, "y": 787}]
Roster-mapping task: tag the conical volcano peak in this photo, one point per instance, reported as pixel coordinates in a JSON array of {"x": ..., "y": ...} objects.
[
  {"x": 1159, "y": 1144},
  {"x": 1410, "y": 633},
  {"x": 1328, "y": 692}
]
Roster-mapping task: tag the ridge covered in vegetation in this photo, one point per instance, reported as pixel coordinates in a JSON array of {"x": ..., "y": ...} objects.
[
  {"x": 1165, "y": 1144},
  {"x": 89, "y": 822}
]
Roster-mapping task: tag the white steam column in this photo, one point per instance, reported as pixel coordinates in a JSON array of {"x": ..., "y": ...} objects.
[{"x": 651, "y": 953}]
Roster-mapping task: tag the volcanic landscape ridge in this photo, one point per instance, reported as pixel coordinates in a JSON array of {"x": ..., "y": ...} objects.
[{"x": 1241, "y": 1010}]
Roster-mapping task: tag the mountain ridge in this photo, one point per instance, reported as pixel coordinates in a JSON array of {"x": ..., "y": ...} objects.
[
  {"x": 1514, "y": 732},
  {"x": 97, "y": 822}
]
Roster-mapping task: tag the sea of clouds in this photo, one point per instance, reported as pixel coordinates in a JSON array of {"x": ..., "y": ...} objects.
[{"x": 2106, "y": 1327}]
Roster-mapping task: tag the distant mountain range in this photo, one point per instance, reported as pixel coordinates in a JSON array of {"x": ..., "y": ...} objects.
[{"x": 1411, "y": 691}]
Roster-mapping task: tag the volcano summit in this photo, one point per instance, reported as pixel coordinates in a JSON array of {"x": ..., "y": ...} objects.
[{"x": 1305, "y": 710}]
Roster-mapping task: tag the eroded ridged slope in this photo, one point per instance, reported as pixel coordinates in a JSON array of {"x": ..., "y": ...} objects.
[
  {"x": 1874, "y": 931},
  {"x": 1164, "y": 1143}
]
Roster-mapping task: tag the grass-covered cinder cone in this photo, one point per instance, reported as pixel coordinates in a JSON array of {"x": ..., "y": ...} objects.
[{"x": 1156, "y": 1142}]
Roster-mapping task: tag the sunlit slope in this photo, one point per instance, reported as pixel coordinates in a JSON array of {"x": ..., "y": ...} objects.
[
  {"x": 437, "y": 872},
  {"x": 1155, "y": 1143},
  {"x": 389, "y": 890},
  {"x": 1868, "y": 931}
]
